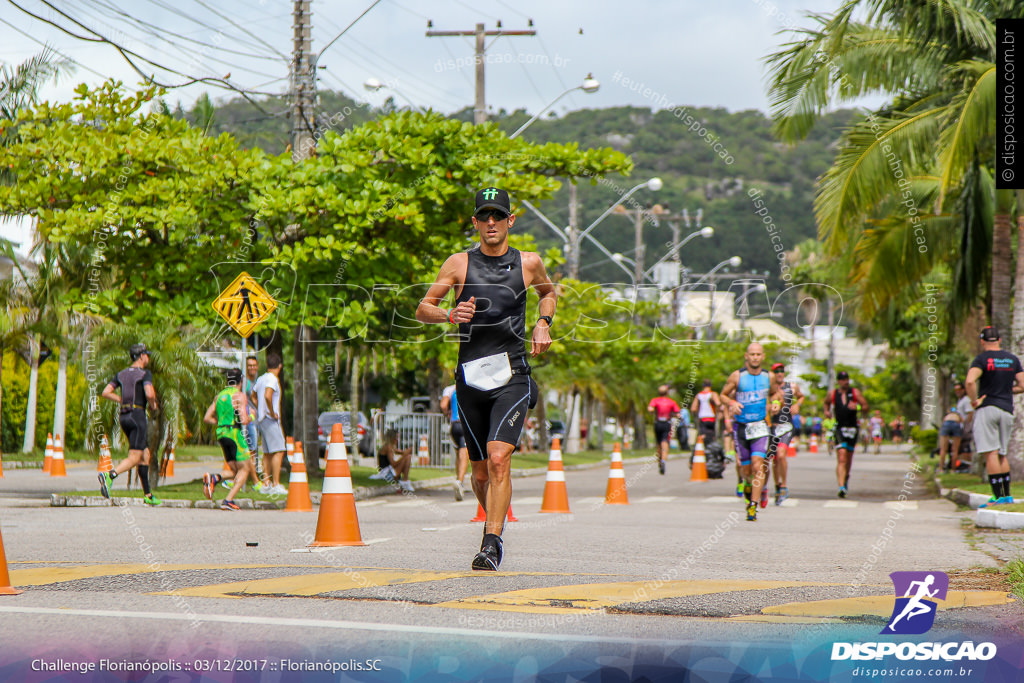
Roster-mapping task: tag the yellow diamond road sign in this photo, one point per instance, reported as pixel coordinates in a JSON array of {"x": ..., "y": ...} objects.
[{"x": 244, "y": 304}]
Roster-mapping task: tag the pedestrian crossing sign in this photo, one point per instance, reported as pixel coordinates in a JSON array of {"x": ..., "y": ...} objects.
[{"x": 244, "y": 304}]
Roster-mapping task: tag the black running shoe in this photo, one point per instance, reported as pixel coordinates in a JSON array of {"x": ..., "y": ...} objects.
[
  {"x": 661, "y": 466},
  {"x": 489, "y": 557}
]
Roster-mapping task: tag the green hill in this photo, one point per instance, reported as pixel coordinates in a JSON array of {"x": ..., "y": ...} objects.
[{"x": 708, "y": 158}]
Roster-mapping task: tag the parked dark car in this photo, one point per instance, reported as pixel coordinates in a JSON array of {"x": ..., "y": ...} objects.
[
  {"x": 555, "y": 429},
  {"x": 365, "y": 436}
]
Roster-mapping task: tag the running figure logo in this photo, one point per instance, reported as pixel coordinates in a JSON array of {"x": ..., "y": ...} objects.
[{"x": 914, "y": 612}]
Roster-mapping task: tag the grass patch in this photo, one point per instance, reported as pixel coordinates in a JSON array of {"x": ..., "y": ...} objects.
[
  {"x": 974, "y": 484},
  {"x": 181, "y": 454},
  {"x": 1015, "y": 577}
]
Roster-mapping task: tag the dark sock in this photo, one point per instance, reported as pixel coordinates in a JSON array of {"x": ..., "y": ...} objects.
[
  {"x": 1006, "y": 484},
  {"x": 113, "y": 475},
  {"x": 996, "y": 482},
  {"x": 144, "y": 478}
]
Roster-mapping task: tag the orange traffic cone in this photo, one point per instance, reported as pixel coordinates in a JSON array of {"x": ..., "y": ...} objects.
[
  {"x": 5, "y": 579},
  {"x": 424, "y": 451},
  {"x": 57, "y": 465},
  {"x": 699, "y": 468},
  {"x": 170, "y": 464},
  {"x": 298, "y": 483},
  {"x": 48, "y": 457},
  {"x": 616, "y": 492},
  {"x": 814, "y": 444},
  {"x": 338, "y": 523},
  {"x": 1, "y": 465},
  {"x": 105, "y": 464},
  {"x": 556, "y": 497},
  {"x": 481, "y": 516}
]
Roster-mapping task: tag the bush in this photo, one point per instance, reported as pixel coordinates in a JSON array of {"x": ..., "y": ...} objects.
[{"x": 926, "y": 439}]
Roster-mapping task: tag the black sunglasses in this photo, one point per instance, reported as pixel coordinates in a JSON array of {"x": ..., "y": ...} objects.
[
  {"x": 779, "y": 370},
  {"x": 488, "y": 214}
]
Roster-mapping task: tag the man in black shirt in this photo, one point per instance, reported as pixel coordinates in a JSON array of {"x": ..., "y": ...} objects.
[
  {"x": 136, "y": 384},
  {"x": 492, "y": 380},
  {"x": 994, "y": 377}
]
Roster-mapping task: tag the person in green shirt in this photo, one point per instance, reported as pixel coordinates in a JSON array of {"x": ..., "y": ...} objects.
[
  {"x": 828, "y": 428},
  {"x": 229, "y": 411}
]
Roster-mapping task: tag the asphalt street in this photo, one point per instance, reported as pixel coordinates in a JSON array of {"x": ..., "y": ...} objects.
[{"x": 679, "y": 564}]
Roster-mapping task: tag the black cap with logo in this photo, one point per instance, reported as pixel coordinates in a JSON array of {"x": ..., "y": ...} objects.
[
  {"x": 137, "y": 350},
  {"x": 492, "y": 198},
  {"x": 989, "y": 334},
  {"x": 842, "y": 374}
]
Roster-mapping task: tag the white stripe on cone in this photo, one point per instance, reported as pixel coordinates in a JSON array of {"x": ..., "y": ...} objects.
[
  {"x": 337, "y": 485},
  {"x": 615, "y": 474},
  {"x": 555, "y": 475},
  {"x": 297, "y": 477},
  {"x": 337, "y": 451}
]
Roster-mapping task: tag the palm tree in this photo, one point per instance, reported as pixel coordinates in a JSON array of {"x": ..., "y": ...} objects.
[
  {"x": 935, "y": 63},
  {"x": 13, "y": 317},
  {"x": 185, "y": 384}
]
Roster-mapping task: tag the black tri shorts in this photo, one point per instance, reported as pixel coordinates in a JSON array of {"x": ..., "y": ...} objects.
[
  {"x": 133, "y": 424},
  {"x": 495, "y": 415},
  {"x": 662, "y": 431},
  {"x": 458, "y": 435}
]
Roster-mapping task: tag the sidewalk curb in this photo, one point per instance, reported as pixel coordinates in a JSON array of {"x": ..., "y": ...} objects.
[
  {"x": 999, "y": 519},
  {"x": 965, "y": 498},
  {"x": 360, "y": 492}
]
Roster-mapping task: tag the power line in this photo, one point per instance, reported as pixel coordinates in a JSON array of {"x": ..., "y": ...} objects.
[
  {"x": 124, "y": 52},
  {"x": 242, "y": 28},
  {"x": 164, "y": 30},
  {"x": 186, "y": 52},
  {"x": 55, "y": 50}
]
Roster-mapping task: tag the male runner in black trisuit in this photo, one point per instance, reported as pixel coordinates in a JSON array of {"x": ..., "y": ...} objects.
[
  {"x": 843, "y": 404},
  {"x": 136, "y": 384},
  {"x": 492, "y": 379}
]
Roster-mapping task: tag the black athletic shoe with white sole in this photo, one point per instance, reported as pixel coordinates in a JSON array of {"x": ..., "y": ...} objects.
[{"x": 489, "y": 557}]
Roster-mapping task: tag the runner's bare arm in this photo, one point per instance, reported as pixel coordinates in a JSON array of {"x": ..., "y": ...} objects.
[
  {"x": 798, "y": 400},
  {"x": 971, "y": 385},
  {"x": 150, "y": 396},
  {"x": 859, "y": 398},
  {"x": 109, "y": 393},
  {"x": 729, "y": 390},
  {"x": 452, "y": 274},
  {"x": 539, "y": 280},
  {"x": 210, "y": 417},
  {"x": 828, "y": 405},
  {"x": 1018, "y": 387}
]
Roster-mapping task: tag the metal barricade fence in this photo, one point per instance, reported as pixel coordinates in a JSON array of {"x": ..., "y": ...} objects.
[{"x": 430, "y": 429}]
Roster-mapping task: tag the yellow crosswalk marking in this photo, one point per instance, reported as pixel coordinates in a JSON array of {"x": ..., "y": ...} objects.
[
  {"x": 42, "y": 576},
  {"x": 881, "y": 605},
  {"x": 594, "y": 596}
]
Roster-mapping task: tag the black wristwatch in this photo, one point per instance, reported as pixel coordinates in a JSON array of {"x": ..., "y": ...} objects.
[{"x": 546, "y": 318}]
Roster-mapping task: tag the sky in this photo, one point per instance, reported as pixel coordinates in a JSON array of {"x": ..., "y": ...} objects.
[{"x": 646, "y": 53}]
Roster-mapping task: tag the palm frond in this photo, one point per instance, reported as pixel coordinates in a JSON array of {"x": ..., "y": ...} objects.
[
  {"x": 876, "y": 154},
  {"x": 971, "y": 119}
]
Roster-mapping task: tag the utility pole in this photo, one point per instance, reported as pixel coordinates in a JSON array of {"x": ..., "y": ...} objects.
[
  {"x": 479, "y": 33},
  {"x": 303, "y": 94},
  {"x": 573, "y": 234}
]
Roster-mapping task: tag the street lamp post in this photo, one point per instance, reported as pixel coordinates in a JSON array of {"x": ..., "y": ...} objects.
[
  {"x": 373, "y": 85},
  {"x": 589, "y": 85},
  {"x": 733, "y": 261}
]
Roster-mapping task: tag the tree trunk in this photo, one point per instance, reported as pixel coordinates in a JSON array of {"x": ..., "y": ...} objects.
[
  {"x": 542, "y": 423},
  {"x": 1002, "y": 259},
  {"x": 434, "y": 387},
  {"x": 572, "y": 433},
  {"x": 597, "y": 423},
  {"x": 61, "y": 398},
  {"x": 29, "y": 444},
  {"x": 1012, "y": 343},
  {"x": 306, "y": 411},
  {"x": 353, "y": 392}
]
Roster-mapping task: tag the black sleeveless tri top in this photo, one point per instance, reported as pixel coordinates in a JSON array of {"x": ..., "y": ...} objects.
[{"x": 499, "y": 324}]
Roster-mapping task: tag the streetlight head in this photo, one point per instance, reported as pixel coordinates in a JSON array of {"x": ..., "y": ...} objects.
[
  {"x": 590, "y": 84},
  {"x": 707, "y": 231},
  {"x": 735, "y": 261},
  {"x": 372, "y": 84},
  {"x": 654, "y": 184},
  {"x": 617, "y": 258},
  {"x": 619, "y": 208}
]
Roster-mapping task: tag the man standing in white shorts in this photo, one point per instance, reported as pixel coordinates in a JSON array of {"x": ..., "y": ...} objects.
[
  {"x": 994, "y": 377},
  {"x": 268, "y": 414}
]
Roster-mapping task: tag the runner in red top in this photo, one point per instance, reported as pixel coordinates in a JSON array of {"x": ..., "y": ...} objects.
[{"x": 664, "y": 410}]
